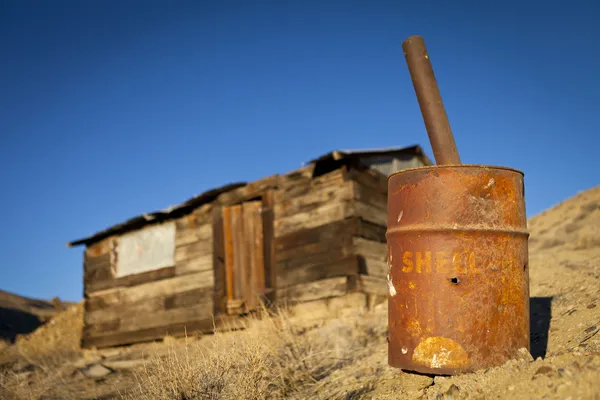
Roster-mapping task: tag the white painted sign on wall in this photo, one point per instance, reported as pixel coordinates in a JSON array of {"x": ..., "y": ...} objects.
[{"x": 146, "y": 250}]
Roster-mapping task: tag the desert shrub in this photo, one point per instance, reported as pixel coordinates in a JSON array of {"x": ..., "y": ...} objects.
[{"x": 273, "y": 358}]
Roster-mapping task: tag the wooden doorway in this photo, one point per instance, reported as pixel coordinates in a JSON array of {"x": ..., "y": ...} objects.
[{"x": 244, "y": 252}]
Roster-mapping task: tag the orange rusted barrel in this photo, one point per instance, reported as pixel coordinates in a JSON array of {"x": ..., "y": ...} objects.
[{"x": 458, "y": 279}]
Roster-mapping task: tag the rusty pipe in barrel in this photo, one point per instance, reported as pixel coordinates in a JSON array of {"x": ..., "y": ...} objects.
[{"x": 430, "y": 101}]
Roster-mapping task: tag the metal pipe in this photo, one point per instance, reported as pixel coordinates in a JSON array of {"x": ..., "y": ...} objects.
[{"x": 430, "y": 101}]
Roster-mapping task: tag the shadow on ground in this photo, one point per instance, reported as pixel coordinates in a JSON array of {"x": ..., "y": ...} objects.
[{"x": 540, "y": 314}]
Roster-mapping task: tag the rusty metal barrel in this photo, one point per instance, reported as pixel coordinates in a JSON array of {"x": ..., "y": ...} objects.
[{"x": 458, "y": 281}]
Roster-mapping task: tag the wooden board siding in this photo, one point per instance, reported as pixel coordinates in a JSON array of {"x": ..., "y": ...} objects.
[
  {"x": 251, "y": 191},
  {"x": 372, "y": 285},
  {"x": 321, "y": 225},
  {"x": 150, "y": 302},
  {"x": 370, "y": 246},
  {"x": 115, "y": 338},
  {"x": 313, "y": 237},
  {"x": 325, "y": 288},
  {"x": 372, "y": 256}
]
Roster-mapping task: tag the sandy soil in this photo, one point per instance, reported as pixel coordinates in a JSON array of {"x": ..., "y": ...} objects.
[{"x": 345, "y": 355}]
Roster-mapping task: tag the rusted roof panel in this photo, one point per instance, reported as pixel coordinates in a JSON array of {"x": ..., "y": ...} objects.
[{"x": 156, "y": 216}]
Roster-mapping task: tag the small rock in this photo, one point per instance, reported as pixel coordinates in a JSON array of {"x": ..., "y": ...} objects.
[
  {"x": 415, "y": 382},
  {"x": 439, "y": 380},
  {"x": 96, "y": 371},
  {"x": 80, "y": 363},
  {"x": 130, "y": 364},
  {"x": 524, "y": 355},
  {"x": 511, "y": 388},
  {"x": 590, "y": 306},
  {"x": 108, "y": 353},
  {"x": 544, "y": 370},
  {"x": 590, "y": 329},
  {"x": 453, "y": 390}
]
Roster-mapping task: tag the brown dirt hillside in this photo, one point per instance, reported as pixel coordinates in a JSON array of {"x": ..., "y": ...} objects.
[
  {"x": 344, "y": 354},
  {"x": 21, "y": 315}
]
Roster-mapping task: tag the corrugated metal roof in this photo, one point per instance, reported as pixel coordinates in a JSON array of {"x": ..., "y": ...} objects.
[
  {"x": 342, "y": 154},
  {"x": 156, "y": 216}
]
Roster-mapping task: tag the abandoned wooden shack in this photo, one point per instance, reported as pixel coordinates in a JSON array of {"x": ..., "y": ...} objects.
[{"x": 314, "y": 233}]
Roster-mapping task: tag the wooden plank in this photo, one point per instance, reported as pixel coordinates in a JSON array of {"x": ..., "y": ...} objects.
[
  {"x": 247, "y": 237},
  {"x": 372, "y": 285},
  {"x": 322, "y": 233},
  {"x": 152, "y": 308},
  {"x": 196, "y": 297},
  {"x": 193, "y": 250},
  {"x": 331, "y": 287},
  {"x": 370, "y": 213},
  {"x": 156, "y": 333},
  {"x": 314, "y": 199},
  {"x": 322, "y": 215},
  {"x": 99, "y": 248},
  {"x": 336, "y": 247},
  {"x": 116, "y": 302},
  {"x": 371, "y": 231},
  {"x": 288, "y": 190},
  {"x": 228, "y": 242},
  {"x": 101, "y": 328},
  {"x": 204, "y": 214},
  {"x": 254, "y": 273},
  {"x": 168, "y": 286},
  {"x": 195, "y": 264},
  {"x": 249, "y": 192},
  {"x": 268, "y": 219},
  {"x": 258, "y": 271},
  {"x": 98, "y": 279},
  {"x": 347, "y": 266},
  {"x": 219, "y": 261},
  {"x": 130, "y": 280},
  {"x": 370, "y": 178},
  {"x": 373, "y": 267},
  {"x": 239, "y": 258},
  {"x": 140, "y": 321},
  {"x": 292, "y": 189},
  {"x": 190, "y": 233},
  {"x": 371, "y": 249},
  {"x": 106, "y": 299},
  {"x": 91, "y": 263},
  {"x": 369, "y": 196}
]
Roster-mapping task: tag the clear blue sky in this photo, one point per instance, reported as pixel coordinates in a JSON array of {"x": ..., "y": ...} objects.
[{"x": 110, "y": 109}]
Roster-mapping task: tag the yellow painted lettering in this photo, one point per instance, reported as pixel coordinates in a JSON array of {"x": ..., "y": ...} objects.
[
  {"x": 456, "y": 264},
  {"x": 441, "y": 261},
  {"x": 407, "y": 260},
  {"x": 472, "y": 267},
  {"x": 420, "y": 262}
]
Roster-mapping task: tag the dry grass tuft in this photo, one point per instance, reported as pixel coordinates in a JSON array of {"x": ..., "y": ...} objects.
[{"x": 272, "y": 358}]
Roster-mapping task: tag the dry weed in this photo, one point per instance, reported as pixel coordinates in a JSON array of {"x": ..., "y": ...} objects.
[
  {"x": 272, "y": 358},
  {"x": 55, "y": 342}
]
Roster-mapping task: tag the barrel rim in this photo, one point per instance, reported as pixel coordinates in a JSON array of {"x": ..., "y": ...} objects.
[{"x": 452, "y": 166}]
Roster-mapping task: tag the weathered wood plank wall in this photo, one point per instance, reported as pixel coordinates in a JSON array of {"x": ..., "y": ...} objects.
[
  {"x": 146, "y": 306},
  {"x": 370, "y": 193}
]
